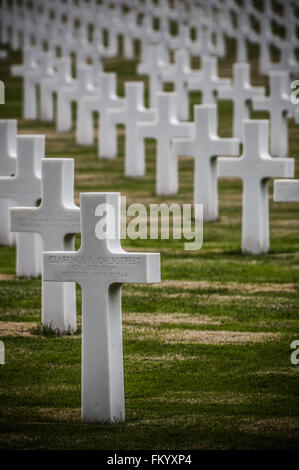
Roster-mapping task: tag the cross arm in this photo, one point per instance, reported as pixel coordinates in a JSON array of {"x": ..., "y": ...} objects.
[
  {"x": 281, "y": 168},
  {"x": 225, "y": 146},
  {"x": 116, "y": 116},
  {"x": 34, "y": 219},
  {"x": 19, "y": 219},
  {"x": 226, "y": 93},
  {"x": 286, "y": 190},
  {"x": 260, "y": 103},
  {"x": 168, "y": 75},
  {"x": 229, "y": 167},
  {"x": 145, "y": 267},
  {"x": 195, "y": 83},
  {"x": 183, "y": 146},
  {"x": 147, "y": 129},
  {"x": 117, "y": 268}
]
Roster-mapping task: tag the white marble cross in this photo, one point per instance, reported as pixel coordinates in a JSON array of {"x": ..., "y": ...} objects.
[
  {"x": 164, "y": 128},
  {"x": 205, "y": 146},
  {"x": 106, "y": 99},
  {"x": 286, "y": 190},
  {"x": 101, "y": 266},
  {"x": 152, "y": 67},
  {"x": 24, "y": 188},
  {"x": 29, "y": 63},
  {"x": 207, "y": 80},
  {"x": 50, "y": 85},
  {"x": 132, "y": 112},
  {"x": 8, "y": 151},
  {"x": 240, "y": 93},
  {"x": 73, "y": 92},
  {"x": 255, "y": 167},
  {"x": 177, "y": 74},
  {"x": 278, "y": 105},
  {"x": 56, "y": 220},
  {"x": 31, "y": 79}
]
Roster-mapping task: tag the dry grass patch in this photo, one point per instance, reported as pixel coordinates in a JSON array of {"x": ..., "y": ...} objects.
[
  {"x": 188, "y": 336},
  {"x": 291, "y": 371},
  {"x": 10, "y": 328},
  {"x": 285, "y": 425},
  {"x": 233, "y": 286},
  {"x": 171, "y": 318},
  {"x": 163, "y": 358},
  {"x": 227, "y": 398},
  {"x": 8, "y": 277}
]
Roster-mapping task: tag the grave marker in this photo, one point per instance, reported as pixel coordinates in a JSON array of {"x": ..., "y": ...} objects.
[
  {"x": 205, "y": 146},
  {"x": 50, "y": 85},
  {"x": 132, "y": 112},
  {"x": 164, "y": 128},
  {"x": 8, "y": 151},
  {"x": 240, "y": 93},
  {"x": 255, "y": 167},
  {"x": 178, "y": 73},
  {"x": 207, "y": 80},
  {"x": 56, "y": 220},
  {"x": 101, "y": 266},
  {"x": 73, "y": 92},
  {"x": 25, "y": 190},
  {"x": 152, "y": 67}
]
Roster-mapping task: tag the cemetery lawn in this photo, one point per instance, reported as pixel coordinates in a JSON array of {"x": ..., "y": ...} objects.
[{"x": 206, "y": 352}]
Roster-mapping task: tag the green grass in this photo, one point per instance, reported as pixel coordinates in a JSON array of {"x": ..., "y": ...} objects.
[{"x": 206, "y": 355}]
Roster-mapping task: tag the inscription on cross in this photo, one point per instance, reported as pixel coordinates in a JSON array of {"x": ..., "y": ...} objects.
[{"x": 101, "y": 266}]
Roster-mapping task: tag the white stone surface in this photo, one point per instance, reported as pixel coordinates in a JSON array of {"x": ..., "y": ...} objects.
[
  {"x": 105, "y": 100},
  {"x": 278, "y": 105},
  {"x": 101, "y": 266},
  {"x": 178, "y": 73},
  {"x": 8, "y": 151},
  {"x": 205, "y": 146},
  {"x": 164, "y": 128},
  {"x": 255, "y": 167},
  {"x": 50, "y": 85},
  {"x": 56, "y": 220},
  {"x": 31, "y": 79},
  {"x": 130, "y": 114},
  {"x": 207, "y": 80},
  {"x": 24, "y": 188},
  {"x": 286, "y": 190},
  {"x": 152, "y": 66},
  {"x": 80, "y": 87},
  {"x": 240, "y": 93}
]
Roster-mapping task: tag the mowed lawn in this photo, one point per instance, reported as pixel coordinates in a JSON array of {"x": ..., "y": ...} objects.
[{"x": 206, "y": 352}]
